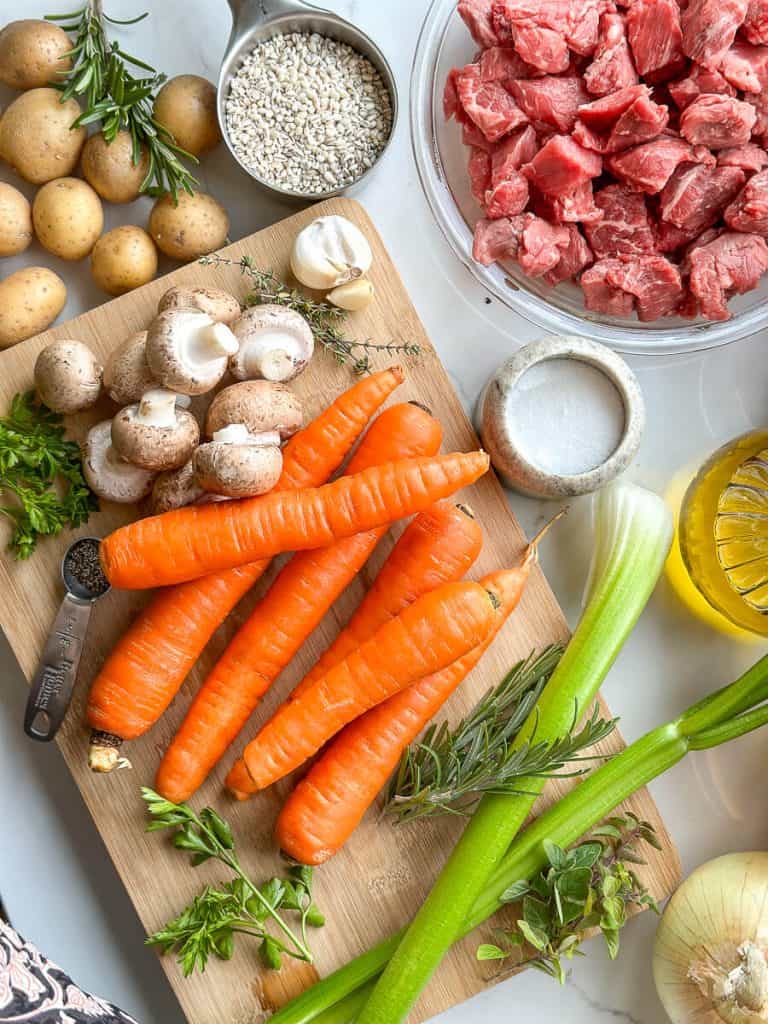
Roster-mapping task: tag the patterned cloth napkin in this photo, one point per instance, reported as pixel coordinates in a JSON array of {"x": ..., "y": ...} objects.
[{"x": 35, "y": 991}]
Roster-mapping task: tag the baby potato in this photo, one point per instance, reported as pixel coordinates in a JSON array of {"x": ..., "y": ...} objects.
[
  {"x": 190, "y": 229},
  {"x": 32, "y": 53},
  {"x": 109, "y": 168},
  {"x": 186, "y": 106},
  {"x": 122, "y": 259},
  {"x": 68, "y": 217},
  {"x": 15, "y": 221},
  {"x": 36, "y": 138},
  {"x": 30, "y": 300}
]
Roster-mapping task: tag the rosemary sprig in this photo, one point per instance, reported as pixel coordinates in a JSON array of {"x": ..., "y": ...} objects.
[
  {"x": 451, "y": 768},
  {"x": 118, "y": 99},
  {"x": 207, "y": 927},
  {"x": 324, "y": 318}
]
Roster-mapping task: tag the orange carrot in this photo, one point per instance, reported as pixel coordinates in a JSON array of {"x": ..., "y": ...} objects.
[
  {"x": 294, "y": 605},
  {"x": 150, "y": 662},
  {"x": 194, "y": 541}
]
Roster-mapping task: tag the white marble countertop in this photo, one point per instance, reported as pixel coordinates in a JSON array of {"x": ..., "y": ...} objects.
[{"x": 55, "y": 876}]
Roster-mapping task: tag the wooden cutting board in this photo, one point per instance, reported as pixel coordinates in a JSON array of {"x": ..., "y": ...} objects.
[{"x": 372, "y": 887}]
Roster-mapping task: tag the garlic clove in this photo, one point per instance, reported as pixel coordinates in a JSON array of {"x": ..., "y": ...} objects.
[
  {"x": 329, "y": 252},
  {"x": 354, "y": 295}
]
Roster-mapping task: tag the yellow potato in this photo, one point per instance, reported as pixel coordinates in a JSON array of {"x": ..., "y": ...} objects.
[
  {"x": 30, "y": 300},
  {"x": 196, "y": 226},
  {"x": 123, "y": 259},
  {"x": 109, "y": 167},
  {"x": 36, "y": 138},
  {"x": 68, "y": 218},
  {"x": 32, "y": 53},
  {"x": 15, "y": 221},
  {"x": 186, "y": 106}
]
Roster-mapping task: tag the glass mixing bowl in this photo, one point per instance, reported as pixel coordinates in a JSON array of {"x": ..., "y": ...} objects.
[{"x": 441, "y": 159}]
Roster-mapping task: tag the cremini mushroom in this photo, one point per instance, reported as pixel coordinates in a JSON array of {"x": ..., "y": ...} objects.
[
  {"x": 174, "y": 489},
  {"x": 275, "y": 344},
  {"x": 155, "y": 433},
  {"x": 109, "y": 476},
  {"x": 218, "y": 304},
  {"x": 259, "y": 405},
  {"x": 67, "y": 376},
  {"x": 238, "y": 464},
  {"x": 127, "y": 374},
  {"x": 187, "y": 351}
]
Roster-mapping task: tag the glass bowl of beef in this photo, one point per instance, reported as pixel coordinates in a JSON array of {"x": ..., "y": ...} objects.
[{"x": 441, "y": 159}]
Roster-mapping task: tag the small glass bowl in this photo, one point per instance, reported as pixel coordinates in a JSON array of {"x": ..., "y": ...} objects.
[{"x": 441, "y": 160}]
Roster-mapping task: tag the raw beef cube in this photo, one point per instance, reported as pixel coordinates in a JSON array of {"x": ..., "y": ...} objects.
[
  {"x": 698, "y": 81},
  {"x": 642, "y": 121},
  {"x": 577, "y": 207},
  {"x": 746, "y": 67},
  {"x": 730, "y": 265},
  {"x": 655, "y": 36},
  {"x": 759, "y": 104},
  {"x": 551, "y": 102},
  {"x": 501, "y": 63},
  {"x": 584, "y": 24},
  {"x": 561, "y": 166},
  {"x": 749, "y": 210},
  {"x": 508, "y": 198},
  {"x": 670, "y": 238},
  {"x": 510, "y": 154},
  {"x": 472, "y": 136},
  {"x": 649, "y": 284},
  {"x": 451, "y": 105},
  {"x": 636, "y": 118},
  {"x": 541, "y": 246},
  {"x": 543, "y": 48},
  {"x": 600, "y": 295},
  {"x": 477, "y": 16},
  {"x": 710, "y": 27},
  {"x": 612, "y": 69},
  {"x": 755, "y": 26},
  {"x": 479, "y": 169},
  {"x": 497, "y": 239},
  {"x": 488, "y": 104},
  {"x": 572, "y": 260},
  {"x": 749, "y": 158},
  {"x": 625, "y": 227},
  {"x": 543, "y": 30},
  {"x": 694, "y": 197},
  {"x": 718, "y": 122},
  {"x": 601, "y": 115},
  {"x": 650, "y": 166}
]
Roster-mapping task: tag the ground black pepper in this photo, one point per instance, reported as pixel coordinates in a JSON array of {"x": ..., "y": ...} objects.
[{"x": 83, "y": 568}]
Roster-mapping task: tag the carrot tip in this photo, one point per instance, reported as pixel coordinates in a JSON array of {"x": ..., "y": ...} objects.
[
  {"x": 531, "y": 551},
  {"x": 398, "y": 372}
]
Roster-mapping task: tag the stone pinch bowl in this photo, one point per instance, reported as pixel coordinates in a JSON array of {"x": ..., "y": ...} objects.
[
  {"x": 511, "y": 463},
  {"x": 255, "y": 20}
]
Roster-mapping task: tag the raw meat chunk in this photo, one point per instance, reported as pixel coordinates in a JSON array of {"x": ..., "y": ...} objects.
[
  {"x": 541, "y": 245},
  {"x": 759, "y": 104},
  {"x": 508, "y": 198},
  {"x": 600, "y": 295},
  {"x": 719, "y": 122},
  {"x": 488, "y": 104},
  {"x": 601, "y": 115},
  {"x": 655, "y": 36},
  {"x": 749, "y": 210},
  {"x": 478, "y": 17},
  {"x": 497, "y": 239},
  {"x": 471, "y": 136},
  {"x": 730, "y": 265},
  {"x": 543, "y": 30},
  {"x": 619, "y": 121},
  {"x": 649, "y": 284},
  {"x": 746, "y": 67},
  {"x": 572, "y": 260},
  {"x": 551, "y": 102},
  {"x": 749, "y": 157},
  {"x": 479, "y": 169},
  {"x": 511, "y": 153},
  {"x": 577, "y": 207},
  {"x": 502, "y": 64},
  {"x": 694, "y": 197},
  {"x": 710, "y": 27},
  {"x": 451, "y": 105},
  {"x": 650, "y": 166},
  {"x": 625, "y": 226},
  {"x": 561, "y": 166},
  {"x": 755, "y": 26},
  {"x": 699, "y": 81},
  {"x": 642, "y": 121},
  {"x": 670, "y": 238},
  {"x": 612, "y": 69}
]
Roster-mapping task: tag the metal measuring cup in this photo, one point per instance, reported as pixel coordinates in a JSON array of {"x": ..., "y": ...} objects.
[
  {"x": 254, "y": 20},
  {"x": 56, "y": 673}
]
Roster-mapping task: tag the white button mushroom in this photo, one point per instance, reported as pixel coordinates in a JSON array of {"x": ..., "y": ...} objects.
[
  {"x": 218, "y": 304},
  {"x": 67, "y": 376},
  {"x": 259, "y": 405},
  {"x": 237, "y": 463},
  {"x": 109, "y": 476},
  {"x": 174, "y": 489},
  {"x": 187, "y": 351},
  {"x": 275, "y": 344},
  {"x": 328, "y": 252},
  {"x": 127, "y": 374},
  {"x": 155, "y": 434}
]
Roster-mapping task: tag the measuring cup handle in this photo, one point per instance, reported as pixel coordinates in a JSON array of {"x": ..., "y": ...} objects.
[
  {"x": 55, "y": 678},
  {"x": 247, "y": 13}
]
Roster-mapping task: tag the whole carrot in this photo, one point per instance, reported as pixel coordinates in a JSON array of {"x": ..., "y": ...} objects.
[
  {"x": 294, "y": 605},
  {"x": 192, "y": 542},
  {"x": 153, "y": 658}
]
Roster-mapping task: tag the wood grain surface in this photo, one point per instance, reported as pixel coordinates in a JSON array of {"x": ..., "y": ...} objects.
[{"x": 372, "y": 886}]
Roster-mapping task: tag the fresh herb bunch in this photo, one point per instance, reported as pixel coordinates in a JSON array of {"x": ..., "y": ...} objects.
[
  {"x": 324, "y": 318},
  {"x": 118, "y": 99},
  {"x": 42, "y": 470},
  {"x": 207, "y": 927},
  {"x": 450, "y": 769},
  {"x": 589, "y": 886}
]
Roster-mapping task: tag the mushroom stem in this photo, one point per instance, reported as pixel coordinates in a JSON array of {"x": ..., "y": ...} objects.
[
  {"x": 272, "y": 364},
  {"x": 216, "y": 340},
  {"x": 238, "y": 433},
  {"x": 157, "y": 408}
]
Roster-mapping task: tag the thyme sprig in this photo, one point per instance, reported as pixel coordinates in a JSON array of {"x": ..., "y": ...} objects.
[
  {"x": 207, "y": 927},
  {"x": 324, "y": 318},
  {"x": 120, "y": 100},
  {"x": 449, "y": 770}
]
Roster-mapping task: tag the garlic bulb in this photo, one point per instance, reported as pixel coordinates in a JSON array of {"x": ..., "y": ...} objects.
[
  {"x": 709, "y": 959},
  {"x": 328, "y": 252}
]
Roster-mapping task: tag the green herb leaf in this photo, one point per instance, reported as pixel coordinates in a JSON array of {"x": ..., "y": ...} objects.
[{"x": 486, "y": 951}]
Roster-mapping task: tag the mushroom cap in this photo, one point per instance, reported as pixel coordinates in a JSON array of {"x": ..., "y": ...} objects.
[
  {"x": 275, "y": 344},
  {"x": 260, "y": 405},
  {"x": 174, "y": 489},
  {"x": 187, "y": 351},
  {"x": 109, "y": 476},
  {"x": 218, "y": 304},
  {"x": 154, "y": 447},
  {"x": 237, "y": 470},
  {"x": 127, "y": 374},
  {"x": 68, "y": 376}
]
